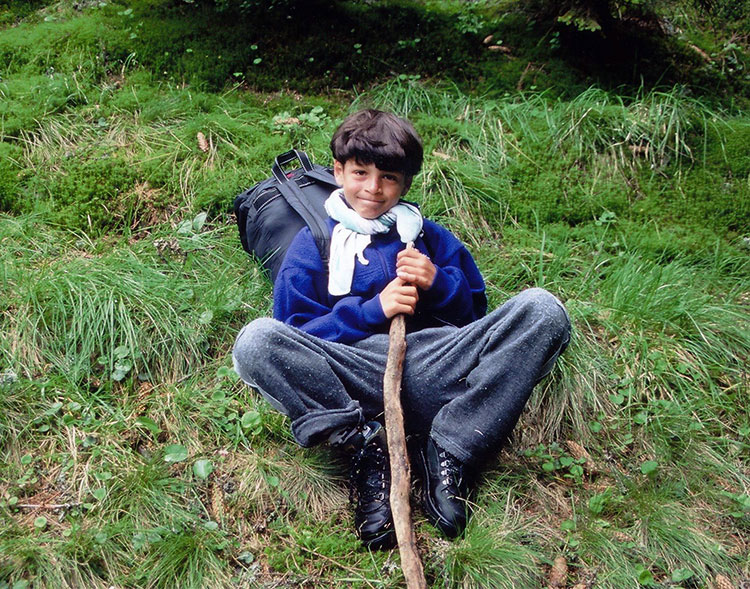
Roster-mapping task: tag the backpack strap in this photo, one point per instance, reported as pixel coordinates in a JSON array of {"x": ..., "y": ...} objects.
[
  {"x": 287, "y": 157},
  {"x": 322, "y": 175},
  {"x": 298, "y": 200},
  {"x": 301, "y": 205}
]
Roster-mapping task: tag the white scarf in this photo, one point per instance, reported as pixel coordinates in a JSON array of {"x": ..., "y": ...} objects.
[{"x": 353, "y": 233}]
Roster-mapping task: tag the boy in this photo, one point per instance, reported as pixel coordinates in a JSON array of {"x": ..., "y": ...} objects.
[{"x": 467, "y": 375}]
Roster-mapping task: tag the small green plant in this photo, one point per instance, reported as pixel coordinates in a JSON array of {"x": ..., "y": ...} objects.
[
  {"x": 740, "y": 504},
  {"x": 555, "y": 460},
  {"x": 470, "y": 23},
  {"x": 315, "y": 118}
]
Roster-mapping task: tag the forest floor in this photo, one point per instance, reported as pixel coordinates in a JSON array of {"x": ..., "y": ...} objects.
[{"x": 131, "y": 454}]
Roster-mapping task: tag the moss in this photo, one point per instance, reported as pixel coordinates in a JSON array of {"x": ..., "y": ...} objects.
[
  {"x": 708, "y": 197},
  {"x": 329, "y": 44},
  {"x": 28, "y": 99},
  {"x": 94, "y": 195},
  {"x": 726, "y": 147},
  {"x": 55, "y": 46}
]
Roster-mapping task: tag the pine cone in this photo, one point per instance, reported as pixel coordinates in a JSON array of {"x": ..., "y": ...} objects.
[
  {"x": 217, "y": 502},
  {"x": 579, "y": 452},
  {"x": 558, "y": 575},
  {"x": 202, "y": 142},
  {"x": 621, "y": 537},
  {"x": 722, "y": 582}
]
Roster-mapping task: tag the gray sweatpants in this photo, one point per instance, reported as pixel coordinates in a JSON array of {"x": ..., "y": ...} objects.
[{"x": 464, "y": 386}]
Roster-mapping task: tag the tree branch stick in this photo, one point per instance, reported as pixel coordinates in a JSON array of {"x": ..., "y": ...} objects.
[{"x": 411, "y": 564}]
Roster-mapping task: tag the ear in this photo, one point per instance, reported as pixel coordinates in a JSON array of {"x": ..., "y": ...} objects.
[{"x": 338, "y": 172}]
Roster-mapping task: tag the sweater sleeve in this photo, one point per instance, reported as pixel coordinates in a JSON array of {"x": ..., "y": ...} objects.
[
  {"x": 301, "y": 298},
  {"x": 457, "y": 295}
]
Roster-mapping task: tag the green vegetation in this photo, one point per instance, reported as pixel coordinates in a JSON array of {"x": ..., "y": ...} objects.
[{"x": 132, "y": 456}]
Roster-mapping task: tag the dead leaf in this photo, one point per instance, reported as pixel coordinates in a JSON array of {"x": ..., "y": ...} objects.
[
  {"x": 558, "y": 575},
  {"x": 441, "y": 155}
]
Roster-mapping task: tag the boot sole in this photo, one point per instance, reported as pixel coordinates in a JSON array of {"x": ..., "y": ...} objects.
[{"x": 382, "y": 541}]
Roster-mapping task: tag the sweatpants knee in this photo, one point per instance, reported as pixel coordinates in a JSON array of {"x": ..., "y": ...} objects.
[
  {"x": 253, "y": 346},
  {"x": 548, "y": 310}
]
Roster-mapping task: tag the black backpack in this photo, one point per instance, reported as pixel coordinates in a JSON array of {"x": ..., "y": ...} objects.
[{"x": 271, "y": 213}]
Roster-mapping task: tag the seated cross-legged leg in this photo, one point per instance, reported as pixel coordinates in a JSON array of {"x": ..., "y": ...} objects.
[
  {"x": 465, "y": 388},
  {"x": 310, "y": 381}
]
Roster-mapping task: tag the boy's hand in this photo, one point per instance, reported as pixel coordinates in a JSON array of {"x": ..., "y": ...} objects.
[
  {"x": 414, "y": 267},
  {"x": 398, "y": 297}
]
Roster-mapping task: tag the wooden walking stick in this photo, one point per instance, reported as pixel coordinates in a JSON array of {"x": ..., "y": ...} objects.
[{"x": 411, "y": 563}]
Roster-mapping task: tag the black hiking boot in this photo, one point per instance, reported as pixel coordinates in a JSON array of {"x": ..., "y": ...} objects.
[
  {"x": 445, "y": 489},
  {"x": 370, "y": 479}
]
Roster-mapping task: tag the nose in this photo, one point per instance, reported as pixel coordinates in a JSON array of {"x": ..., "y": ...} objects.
[{"x": 373, "y": 185}]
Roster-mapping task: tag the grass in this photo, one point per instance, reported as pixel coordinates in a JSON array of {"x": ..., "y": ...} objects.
[{"x": 131, "y": 454}]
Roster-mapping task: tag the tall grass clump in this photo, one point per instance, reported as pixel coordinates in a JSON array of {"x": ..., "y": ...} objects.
[
  {"x": 121, "y": 314},
  {"x": 656, "y": 126},
  {"x": 495, "y": 552},
  {"x": 553, "y": 160}
]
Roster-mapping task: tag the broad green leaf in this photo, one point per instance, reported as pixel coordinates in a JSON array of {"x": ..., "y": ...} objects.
[
  {"x": 251, "y": 419},
  {"x": 185, "y": 227},
  {"x": 199, "y": 221},
  {"x": 139, "y": 541},
  {"x": 680, "y": 575},
  {"x": 649, "y": 466},
  {"x": 645, "y": 577},
  {"x": 568, "y": 525},
  {"x": 617, "y": 398},
  {"x": 175, "y": 453},
  {"x": 122, "y": 352},
  {"x": 203, "y": 468},
  {"x": 149, "y": 424},
  {"x": 54, "y": 408}
]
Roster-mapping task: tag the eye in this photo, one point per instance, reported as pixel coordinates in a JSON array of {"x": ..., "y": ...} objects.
[{"x": 390, "y": 177}]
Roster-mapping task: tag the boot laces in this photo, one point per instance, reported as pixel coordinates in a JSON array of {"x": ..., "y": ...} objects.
[
  {"x": 369, "y": 474},
  {"x": 450, "y": 471}
]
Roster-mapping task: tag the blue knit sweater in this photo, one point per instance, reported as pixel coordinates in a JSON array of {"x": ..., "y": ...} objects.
[{"x": 301, "y": 298}]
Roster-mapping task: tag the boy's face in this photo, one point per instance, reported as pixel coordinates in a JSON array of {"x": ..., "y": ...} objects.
[{"x": 369, "y": 190}]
